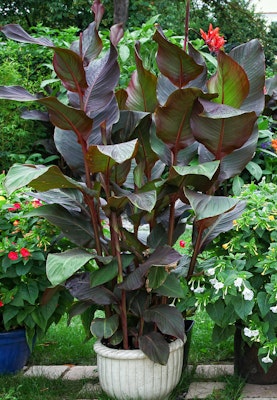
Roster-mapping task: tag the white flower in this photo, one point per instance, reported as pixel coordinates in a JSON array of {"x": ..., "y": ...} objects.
[
  {"x": 210, "y": 271},
  {"x": 267, "y": 359},
  {"x": 274, "y": 309},
  {"x": 199, "y": 289},
  {"x": 213, "y": 281},
  {"x": 250, "y": 332},
  {"x": 238, "y": 282},
  {"x": 248, "y": 294}
]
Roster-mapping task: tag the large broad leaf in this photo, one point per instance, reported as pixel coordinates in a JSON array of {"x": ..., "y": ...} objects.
[
  {"x": 105, "y": 327},
  {"x": 230, "y": 82},
  {"x": 110, "y": 271},
  {"x": 16, "y": 32},
  {"x": 168, "y": 319},
  {"x": 142, "y": 88},
  {"x": 91, "y": 44},
  {"x": 67, "y": 145},
  {"x": 144, "y": 201},
  {"x": 16, "y": 93},
  {"x": 79, "y": 287},
  {"x": 76, "y": 227},
  {"x": 234, "y": 163},
  {"x": 155, "y": 347},
  {"x": 173, "y": 120},
  {"x": 163, "y": 256},
  {"x": 61, "y": 266},
  {"x": 102, "y": 158},
  {"x": 39, "y": 177},
  {"x": 197, "y": 176},
  {"x": 174, "y": 63},
  {"x": 220, "y": 128},
  {"x": 171, "y": 288},
  {"x": 67, "y": 118},
  {"x": 251, "y": 57},
  {"x": 206, "y": 206},
  {"x": 223, "y": 223},
  {"x": 102, "y": 77},
  {"x": 69, "y": 68}
]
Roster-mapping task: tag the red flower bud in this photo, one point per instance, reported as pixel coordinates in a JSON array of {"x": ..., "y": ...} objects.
[
  {"x": 182, "y": 243},
  {"x": 16, "y": 206},
  {"x": 1, "y": 303}
]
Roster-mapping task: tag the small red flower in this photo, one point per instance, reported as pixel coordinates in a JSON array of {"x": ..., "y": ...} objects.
[
  {"x": 13, "y": 255},
  {"x": 16, "y": 206},
  {"x": 36, "y": 203},
  {"x": 213, "y": 40},
  {"x": 25, "y": 252},
  {"x": 182, "y": 243},
  {"x": 1, "y": 303}
]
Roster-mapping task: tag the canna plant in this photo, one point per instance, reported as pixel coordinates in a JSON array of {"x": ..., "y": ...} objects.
[{"x": 145, "y": 161}]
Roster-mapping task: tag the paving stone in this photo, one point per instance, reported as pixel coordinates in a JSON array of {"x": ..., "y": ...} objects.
[
  {"x": 260, "y": 398},
  {"x": 49, "y": 371},
  {"x": 259, "y": 391},
  {"x": 81, "y": 372},
  {"x": 200, "y": 390},
  {"x": 90, "y": 388},
  {"x": 211, "y": 371}
]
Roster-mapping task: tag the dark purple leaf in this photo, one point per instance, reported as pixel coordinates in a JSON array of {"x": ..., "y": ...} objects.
[
  {"x": 104, "y": 327},
  {"x": 98, "y": 9},
  {"x": 69, "y": 67},
  {"x": 155, "y": 347},
  {"x": 89, "y": 45},
  {"x": 17, "y": 33},
  {"x": 175, "y": 63},
  {"x": 117, "y": 34},
  {"x": 35, "y": 115},
  {"x": 142, "y": 88},
  {"x": 16, "y": 93}
]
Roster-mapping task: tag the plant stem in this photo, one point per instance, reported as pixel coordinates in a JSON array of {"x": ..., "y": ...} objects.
[
  {"x": 187, "y": 25},
  {"x": 195, "y": 253}
]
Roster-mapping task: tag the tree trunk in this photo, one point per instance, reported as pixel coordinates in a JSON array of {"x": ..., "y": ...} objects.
[{"x": 120, "y": 11}]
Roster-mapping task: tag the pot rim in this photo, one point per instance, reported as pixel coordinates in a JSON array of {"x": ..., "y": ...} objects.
[{"x": 108, "y": 352}]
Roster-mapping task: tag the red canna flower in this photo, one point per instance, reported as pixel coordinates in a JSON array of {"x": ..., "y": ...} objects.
[
  {"x": 16, "y": 206},
  {"x": 1, "y": 303},
  {"x": 25, "y": 252},
  {"x": 13, "y": 255},
  {"x": 213, "y": 40},
  {"x": 182, "y": 243}
]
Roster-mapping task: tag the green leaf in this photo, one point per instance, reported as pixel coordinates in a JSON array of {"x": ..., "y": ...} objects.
[
  {"x": 262, "y": 300},
  {"x": 61, "y": 266},
  {"x": 206, "y": 206},
  {"x": 156, "y": 277},
  {"x": 230, "y": 82},
  {"x": 39, "y": 177},
  {"x": 171, "y": 288},
  {"x": 242, "y": 307},
  {"x": 255, "y": 170},
  {"x": 103, "y": 158},
  {"x": 105, "y": 327},
  {"x": 216, "y": 311},
  {"x": 108, "y": 272}
]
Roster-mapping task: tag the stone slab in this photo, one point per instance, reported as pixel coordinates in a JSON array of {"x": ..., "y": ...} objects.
[
  {"x": 211, "y": 371},
  {"x": 201, "y": 390},
  {"x": 81, "y": 372},
  {"x": 259, "y": 391},
  {"x": 48, "y": 371},
  {"x": 89, "y": 388}
]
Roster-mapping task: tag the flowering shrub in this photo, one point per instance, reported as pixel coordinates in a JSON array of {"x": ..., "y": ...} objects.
[
  {"x": 25, "y": 242},
  {"x": 241, "y": 287}
]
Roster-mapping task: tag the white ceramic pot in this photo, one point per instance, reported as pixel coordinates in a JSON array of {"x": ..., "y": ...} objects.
[{"x": 129, "y": 374}]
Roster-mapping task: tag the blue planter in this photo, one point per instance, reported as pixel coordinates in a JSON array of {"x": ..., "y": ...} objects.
[{"x": 14, "y": 351}]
